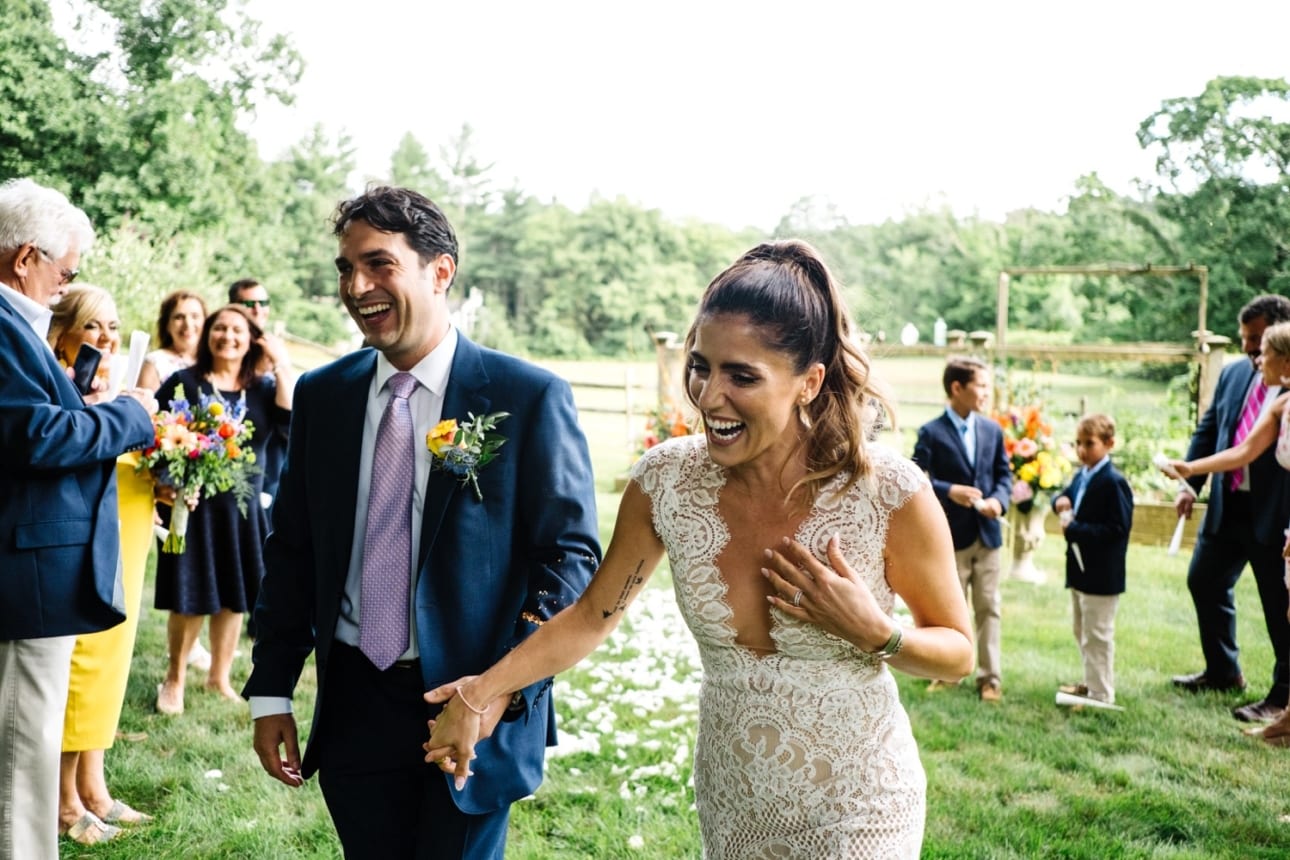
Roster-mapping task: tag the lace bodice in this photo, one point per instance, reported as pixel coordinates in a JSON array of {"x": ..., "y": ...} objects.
[{"x": 805, "y": 752}]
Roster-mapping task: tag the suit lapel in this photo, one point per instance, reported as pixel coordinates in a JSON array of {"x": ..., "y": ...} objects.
[
  {"x": 956, "y": 440},
  {"x": 350, "y": 400},
  {"x": 464, "y": 395}
]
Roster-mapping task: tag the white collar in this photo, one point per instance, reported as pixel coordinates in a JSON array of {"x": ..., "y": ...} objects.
[
  {"x": 36, "y": 314},
  {"x": 431, "y": 371}
]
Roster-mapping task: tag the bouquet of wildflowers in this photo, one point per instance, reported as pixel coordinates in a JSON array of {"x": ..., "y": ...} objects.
[
  {"x": 662, "y": 424},
  {"x": 1037, "y": 462},
  {"x": 462, "y": 449},
  {"x": 200, "y": 448}
]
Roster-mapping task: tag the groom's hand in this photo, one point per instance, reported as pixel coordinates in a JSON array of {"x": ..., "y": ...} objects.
[{"x": 275, "y": 735}]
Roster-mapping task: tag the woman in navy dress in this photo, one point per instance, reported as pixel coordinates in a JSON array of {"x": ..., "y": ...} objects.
[{"x": 218, "y": 575}]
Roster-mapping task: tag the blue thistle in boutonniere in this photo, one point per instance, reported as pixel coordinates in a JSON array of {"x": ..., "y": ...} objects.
[{"x": 462, "y": 449}]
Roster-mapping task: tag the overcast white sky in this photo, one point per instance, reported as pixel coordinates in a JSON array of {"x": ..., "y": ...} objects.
[{"x": 731, "y": 111}]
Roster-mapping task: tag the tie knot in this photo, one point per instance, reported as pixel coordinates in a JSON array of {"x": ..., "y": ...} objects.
[{"x": 402, "y": 385}]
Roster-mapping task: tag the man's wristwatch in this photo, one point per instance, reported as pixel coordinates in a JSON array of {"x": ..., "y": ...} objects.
[{"x": 892, "y": 647}]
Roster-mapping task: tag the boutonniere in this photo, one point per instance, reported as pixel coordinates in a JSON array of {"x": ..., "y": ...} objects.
[{"x": 462, "y": 449}]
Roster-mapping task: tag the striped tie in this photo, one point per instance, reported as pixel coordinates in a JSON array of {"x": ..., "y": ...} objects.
[{"x": 1253, "y": 406}]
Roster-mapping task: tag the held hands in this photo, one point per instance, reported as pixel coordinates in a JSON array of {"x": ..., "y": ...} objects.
[
  {"x": 832, "y": 596},
  {"x": 459, "y": 727}
]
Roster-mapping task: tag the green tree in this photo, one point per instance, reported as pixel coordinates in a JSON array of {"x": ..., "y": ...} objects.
[{"x": 1223, "y": 162}]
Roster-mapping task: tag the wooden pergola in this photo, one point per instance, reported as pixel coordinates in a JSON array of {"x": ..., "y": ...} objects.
[{"x": 1210, "y": 361}]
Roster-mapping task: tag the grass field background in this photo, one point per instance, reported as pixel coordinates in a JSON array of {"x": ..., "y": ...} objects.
[{"x": 1169, "y": 777}]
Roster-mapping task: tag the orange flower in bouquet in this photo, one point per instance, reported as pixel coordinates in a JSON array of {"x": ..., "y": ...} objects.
[{"x": 1037, "y": 462}]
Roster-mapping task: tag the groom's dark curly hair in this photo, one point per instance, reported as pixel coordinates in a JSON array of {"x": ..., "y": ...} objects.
[{"x": 401, "y": 210}]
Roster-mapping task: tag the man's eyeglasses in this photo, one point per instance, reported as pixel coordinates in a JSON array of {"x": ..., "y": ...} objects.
[
  {"x": 254, "y": 303},
  {"x": 68, "y": 275}
]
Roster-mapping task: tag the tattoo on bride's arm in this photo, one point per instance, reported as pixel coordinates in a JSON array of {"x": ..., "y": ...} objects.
[{"x": 629, "y": 585}]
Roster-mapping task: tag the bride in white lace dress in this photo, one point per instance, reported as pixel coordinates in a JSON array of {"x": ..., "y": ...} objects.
[{"x": 789, "y": 538}]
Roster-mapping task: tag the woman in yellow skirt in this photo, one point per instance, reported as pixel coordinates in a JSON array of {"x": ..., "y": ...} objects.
[{"x": 101, "y": 661}]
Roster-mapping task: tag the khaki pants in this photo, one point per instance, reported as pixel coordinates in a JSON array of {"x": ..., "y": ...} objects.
[
  {"x": 1095, "y": 635},
  {"x": 33, "y": 696},
  {"x": 978, "y": 567}
]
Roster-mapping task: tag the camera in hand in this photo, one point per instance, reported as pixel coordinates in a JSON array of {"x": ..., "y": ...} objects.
[{"x": 84, "y": 368}]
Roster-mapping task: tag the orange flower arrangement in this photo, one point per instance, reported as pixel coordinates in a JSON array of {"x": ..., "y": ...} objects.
[{"x": 1037, "y": 462}]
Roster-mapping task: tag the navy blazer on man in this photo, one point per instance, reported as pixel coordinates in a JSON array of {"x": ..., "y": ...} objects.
[
  {"x": 59, "y": 524},
  {"x": 940, "y": 453},
  {"x": 1268, "y": 481},
  {"x": 1101, "y": 530},
  {"x": 489, "y": 572}
]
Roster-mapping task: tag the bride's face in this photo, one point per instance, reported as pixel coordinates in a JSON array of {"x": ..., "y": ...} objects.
[{"x": 747, "y": 393}]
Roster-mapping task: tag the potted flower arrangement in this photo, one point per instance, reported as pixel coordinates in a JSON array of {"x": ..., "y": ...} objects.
[
  {"x": 1038, "y": 465},
  {"x": 662, "y": 424}
]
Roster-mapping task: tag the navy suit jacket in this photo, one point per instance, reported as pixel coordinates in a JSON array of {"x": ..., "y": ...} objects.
[
  {"x": 59, "y": 524},
  {"x": 489, "y": 572},
  {"x": 1269, "y": 483},
  {"x": 1101, "y": 530},
  {"x": 940, "y": 453}
]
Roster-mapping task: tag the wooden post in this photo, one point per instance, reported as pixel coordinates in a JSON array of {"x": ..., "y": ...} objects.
[
  {"x": 1210, "y": 357},
  {"x": 671, "y": 375},
  {"x": 629, "y": 405},
  {"x": 1001, "y": 322}
]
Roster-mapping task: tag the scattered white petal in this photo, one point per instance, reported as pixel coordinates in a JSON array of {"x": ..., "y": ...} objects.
[{"x": 214, "y": 774}]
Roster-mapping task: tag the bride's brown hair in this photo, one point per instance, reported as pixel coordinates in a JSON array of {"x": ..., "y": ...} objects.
[{"x": 786, "y": 291}]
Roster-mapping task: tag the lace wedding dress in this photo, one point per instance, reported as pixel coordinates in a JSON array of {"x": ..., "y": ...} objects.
[{"x": 806, "y": 752}]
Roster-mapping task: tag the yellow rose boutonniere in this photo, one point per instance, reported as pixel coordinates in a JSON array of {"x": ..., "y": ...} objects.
[{"x": 463, "y": 448}]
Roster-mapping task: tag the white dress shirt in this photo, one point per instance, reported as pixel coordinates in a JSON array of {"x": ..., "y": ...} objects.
[
  {"x": 32, "y": 311},
  {"x": 426, "y": 404}
]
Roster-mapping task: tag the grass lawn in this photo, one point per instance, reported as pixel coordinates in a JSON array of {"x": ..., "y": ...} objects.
[{"x": 1169, "y": 777}]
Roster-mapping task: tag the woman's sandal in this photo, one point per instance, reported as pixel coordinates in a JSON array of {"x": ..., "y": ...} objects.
[
  {"x": 89, "y": 829},
  {"x": 121, "y": 813}
]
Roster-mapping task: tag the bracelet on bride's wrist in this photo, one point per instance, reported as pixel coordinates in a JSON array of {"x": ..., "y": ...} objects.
[
  {"x": 892, "y": 646},
  {"x": 478, "y": 711}
]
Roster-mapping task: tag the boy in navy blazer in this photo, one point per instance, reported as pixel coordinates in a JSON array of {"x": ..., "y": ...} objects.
[
  {"x": 1096, "y": 513},
  {"x": 962, "y": 453}
]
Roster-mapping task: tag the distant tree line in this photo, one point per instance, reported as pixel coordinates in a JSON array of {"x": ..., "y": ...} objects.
[{"x": 150, "y": 138}]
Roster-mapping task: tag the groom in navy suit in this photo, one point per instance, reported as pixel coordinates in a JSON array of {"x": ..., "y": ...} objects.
[
  {"x": 1244, "y": 523},
  {"x": 962, "y": 453},
  {"x": 400, "y": 576}
]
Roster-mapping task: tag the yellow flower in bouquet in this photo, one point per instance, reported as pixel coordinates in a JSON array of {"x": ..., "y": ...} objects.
[{"x": 1037, "y": 462}]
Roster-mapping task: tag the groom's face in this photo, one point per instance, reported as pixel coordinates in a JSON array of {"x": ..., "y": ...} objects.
[{"x": 398, "y": 302}]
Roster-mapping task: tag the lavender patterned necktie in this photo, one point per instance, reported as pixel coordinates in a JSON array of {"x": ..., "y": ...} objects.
[{"x": 387, "y": 542}]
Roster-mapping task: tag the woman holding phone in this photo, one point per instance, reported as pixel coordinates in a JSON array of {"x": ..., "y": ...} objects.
[{"x": 88, "y": 813}]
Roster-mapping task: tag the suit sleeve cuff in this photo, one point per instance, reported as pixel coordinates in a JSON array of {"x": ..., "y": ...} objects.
[{"x": 268, "y": 706}]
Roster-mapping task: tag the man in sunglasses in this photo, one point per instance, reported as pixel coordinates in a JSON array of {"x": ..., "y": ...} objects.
[{"x": 251, "y": 294}]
